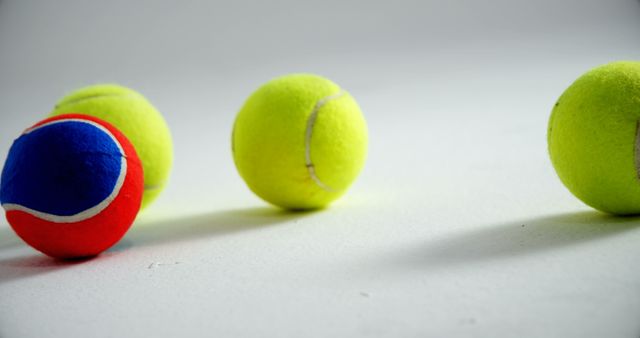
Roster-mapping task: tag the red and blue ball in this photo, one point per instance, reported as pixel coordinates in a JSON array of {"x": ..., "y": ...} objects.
[{"x": 71, "y": 186}]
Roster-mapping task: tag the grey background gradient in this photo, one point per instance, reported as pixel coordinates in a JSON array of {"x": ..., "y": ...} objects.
[{"x": 457, "y": 227}]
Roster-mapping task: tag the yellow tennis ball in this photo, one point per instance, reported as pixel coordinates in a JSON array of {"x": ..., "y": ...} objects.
[
  {"x": 299, "y": 141},
  {"x": 141, "y": 123},
  {"x": 594, "y": 139}
]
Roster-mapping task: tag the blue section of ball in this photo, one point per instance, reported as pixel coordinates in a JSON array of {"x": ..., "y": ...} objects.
[{"x": 61, "y": 169}]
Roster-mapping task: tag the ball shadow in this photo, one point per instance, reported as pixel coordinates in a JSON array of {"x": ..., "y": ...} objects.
[
  {"x": 216, "y": 224},
  {"x": 518, "y": 238},
  {"x": 25, "y": 266},
  {"x": 187, "y": 228},
  {"x": 16, "y": 266}
]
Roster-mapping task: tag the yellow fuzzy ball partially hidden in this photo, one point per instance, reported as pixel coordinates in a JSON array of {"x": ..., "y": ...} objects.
[
  {"x": 299, "y": 141},
  {"x": 141, "y": 123},
  {"x": 594, "y": 138}
]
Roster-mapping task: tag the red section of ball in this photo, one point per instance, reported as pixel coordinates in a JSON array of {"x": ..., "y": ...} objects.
[{"x": 92, "y": 236}]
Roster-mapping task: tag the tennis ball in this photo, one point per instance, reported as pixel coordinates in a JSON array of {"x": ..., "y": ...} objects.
[
  {"x": 143, "y": 125},
  {"x": 594, "y": 138},
  {"x": 299, "y": 141},
  {"x": 71, "y": 186}
]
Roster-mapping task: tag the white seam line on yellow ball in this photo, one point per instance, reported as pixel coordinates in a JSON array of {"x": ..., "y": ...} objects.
[
  {"x": 91, "y": 97},
  {"x": 637, "y": 150},
  {"x": 309, "y": 132}
]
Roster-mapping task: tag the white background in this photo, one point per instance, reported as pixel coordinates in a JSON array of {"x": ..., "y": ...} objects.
[{"x": 457, "y": 227}]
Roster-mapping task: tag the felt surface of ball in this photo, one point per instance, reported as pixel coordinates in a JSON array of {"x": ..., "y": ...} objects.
[
  {"x": 142, "y": 124},
  {"x": 594, "y": 139},
  {"x": 299, "y": 141},
  {"x": 71, "y": 186}
]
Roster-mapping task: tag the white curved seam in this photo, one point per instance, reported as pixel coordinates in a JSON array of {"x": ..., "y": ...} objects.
[
  {"x": 307, "y": 139},
  {"x": 80, "y": 99},
  {"x": 85, "y": 214}
]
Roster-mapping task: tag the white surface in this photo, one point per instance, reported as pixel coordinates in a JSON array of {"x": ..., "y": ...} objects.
[{"x": 457, "y": 227}]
